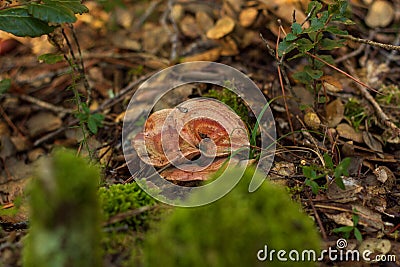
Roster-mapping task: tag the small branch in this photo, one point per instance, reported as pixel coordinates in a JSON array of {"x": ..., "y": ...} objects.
[
  {"x": 343, "y": 72},
  {"x": 173, "y": 34},
  {"x": 128, "y": 214},
  {"x": 45, "y": 105},
  {"x": 371, "y": 43},
  {"x": 317, "y": 218},
  {"x": 9, "y": 122},
  {"x": 149, "y": 11}
]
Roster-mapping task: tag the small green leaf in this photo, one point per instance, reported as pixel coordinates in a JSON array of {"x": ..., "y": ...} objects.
[
  {"x": 318, "y": 7},
  {"x": 51, "y": 12},
  {"x": 290, "y": 37},
  {"x": 342, "y": 168},
  {"x": 316, "y": 25},
  {"x": 358, "y": 235},
  {"x": 314, "y": 74},
  {"x": 302, "y": 77},
  {"x": 51, "y": 58},
  {"x": 98, "y": 117},
  {"x": 85, "y": 108},
  {"x": 343, "y": 229},
  {"x": 314, "y": 187},
  {"x": 336, "y": 30},
  {"x": 329, "y": 44},
  {"x": 5, "y": 84},
  {"x": 309, "y": 172},
  {"x": 285, "y": 47},
  {"x": 327, "y": 58},
  {"x": 328, "y": 161},
  {"x": 74, "y": 5},
  {"x": 296, "y": 28},
  {"x": 304, "y": 45},
  {"x": 92, "y": 125},
  {"x": 20, "y": 23},
  {"x": 339, "y": 183},
  {"x": 355, "y": 218}
]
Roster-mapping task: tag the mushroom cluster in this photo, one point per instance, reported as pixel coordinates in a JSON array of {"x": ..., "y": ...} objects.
[{"x": 192, "y": 140}]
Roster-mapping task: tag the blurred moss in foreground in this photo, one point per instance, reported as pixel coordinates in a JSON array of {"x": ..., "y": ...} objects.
[
  {"x": 231, "y": 231},
  {"x": 65, "y": 214}
]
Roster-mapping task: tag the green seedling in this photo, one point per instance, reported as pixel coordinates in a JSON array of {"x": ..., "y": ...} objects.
[
  {"x": 93, "y": 121},
  {"x": 314, "y": 173},
  {"x": 347, "y": 230},
  {"x": 313, "y": 41}
]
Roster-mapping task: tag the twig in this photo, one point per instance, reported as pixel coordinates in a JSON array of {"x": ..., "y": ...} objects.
[
  {"x": 343, "y": 72},
  {"x": 173, "y": 34},
  {"x": 149, "y": 11},
  {"x": 307, "y": 134},
  {"x": 380, "y": 113},
  {"x": 128, "y": 214},
  {"x": 44, "y": 104},
  {"x": 357, "y": 51},
  {"x": 352, "y": 54},
  {"x": 9, "y": 122},
  {"x": 371, "y": 43},
  {"x": 118, "y": 97},
  {"x": 320, "y": 224}
]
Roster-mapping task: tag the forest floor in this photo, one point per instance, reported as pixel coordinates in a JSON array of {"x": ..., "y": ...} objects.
[{"x": 350, "y": 108}]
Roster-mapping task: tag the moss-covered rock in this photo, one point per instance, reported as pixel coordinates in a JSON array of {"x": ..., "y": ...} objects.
[
  {"x": 65, "y": 214},
  {"x": 231, "y": 231}
]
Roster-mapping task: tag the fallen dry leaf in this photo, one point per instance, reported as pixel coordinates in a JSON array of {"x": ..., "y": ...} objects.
[
  {"x": 346, "y": 131},
  {"x": 209, "y": 55},
  {"x": 222, "y": 27},
  {"x": 204, "y": 21},
  {"x": 248, "y": 16},
  {"x": 332, "y": 84},
  {"x": 380, "y": 14},
  {"x": 190, "y": 27},
  {"x": 334, "y": 112},
  {"x": 229, "y": 47},
  {"x": 43, "y": 122},
  {"x": 372, "y": 142}
]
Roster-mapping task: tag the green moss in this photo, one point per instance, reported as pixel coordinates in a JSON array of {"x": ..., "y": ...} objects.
[
  {"x": 122, "y": 241},
  {"x": 232, "y": 100},
  {"x": 230, "y": 231},
  {"x": 356, "y": 112},
  {"x": 120, "y": 198},
  {"x": 65, "y": 215},
  {"x": 390, "y": 95}
]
